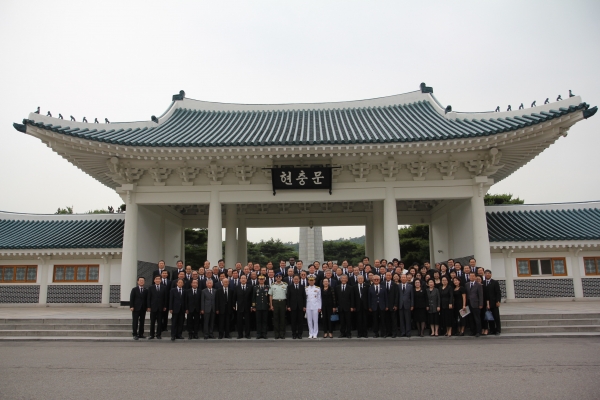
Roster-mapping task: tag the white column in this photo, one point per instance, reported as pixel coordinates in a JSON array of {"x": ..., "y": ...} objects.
[
  {"x": 182, "y": 251},
  {"x": 106, "y": 260},
  {"x": 576, "y": 273},
  {"x": 377, "y": 230},
  {"x": 44, "y": 267},
  {"x": 431, "y": 244},
  {"x": 242, "y": 242},
  {"x": 369, "y": 245},
  {"x": 230, "y": 235},
  {"x": 481, "y": 241},
  {"x": 509, "y": 267},
  {"x": 215, "y": 230},
  {"x": 391, "y": 242},
  {"x": 129, "y": 260}
]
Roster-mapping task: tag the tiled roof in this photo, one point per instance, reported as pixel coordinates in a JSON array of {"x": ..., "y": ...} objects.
[
  {"x": 410, "y": 122},
  {"x": 61, "y": 234},
  {"x": 539, "y": 225}
]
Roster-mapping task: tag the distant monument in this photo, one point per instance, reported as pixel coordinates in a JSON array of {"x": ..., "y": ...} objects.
[{"x": 311, "y": 244}]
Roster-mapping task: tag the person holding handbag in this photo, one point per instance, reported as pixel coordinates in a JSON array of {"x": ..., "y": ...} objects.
[{"x": 327, "y": 308}]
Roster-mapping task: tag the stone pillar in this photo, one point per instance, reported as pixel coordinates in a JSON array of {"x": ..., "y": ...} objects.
[
  {"x": 44, "y": 267},
  {"x": 242, "y": 242},
  {"x": 576, "y": 273},
  {"x": 391, "y": 242},
  {"x": 377, "y": 230},
  {"x": 369, "y": 241},
  {"x": 215, "y": 230},
  {"x": 509, "y": 272},
  {"x": 129, "y": 261},
  {"x": 230, "y": 235},
  {"x": 106, "y": 260},
  {"x": 481, "y": 241}
]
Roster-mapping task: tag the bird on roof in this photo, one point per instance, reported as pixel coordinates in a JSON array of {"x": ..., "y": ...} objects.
[
  {"x": 60, "y": 116},
  {"x": 154, "y": 119},
  {"x": 521, "y": 106},
  {"x": 509, "y": 108},
  {"x": 37, "y": 111},
  {"x": 72, "y": 118},
  {"x": 497, "y": 109},
  {"x": 571, "y": 93},
  {"x": 533, "y": 104},
  {"x": 84, "y": 119},
  {"x": 559, "y": 98},
  {"x": 96, "y": 121},
  {"x": 49, "y": 114},
  {"x": 547, "y": 100},
  {"x": 106, "y": 121}
]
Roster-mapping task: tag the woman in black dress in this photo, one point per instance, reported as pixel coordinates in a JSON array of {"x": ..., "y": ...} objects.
[
  {"x": 460, "y": 303},
  {"x": 437, "y": 279},
  {"x": 433, "y": 307},
  {"x": 327, "y": 306},
  {"x": 446, "y": 298},
  {"x": 420, "y": 311}
]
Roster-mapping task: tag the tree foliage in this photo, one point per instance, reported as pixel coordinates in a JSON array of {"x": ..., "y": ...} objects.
[
  {"x": 270, "y": 250},
  {"x": 195, "y": 247},
  {"x": 340, "y": 250},
  {"x": 496, "y": 199},
  {"x": 66, "y": 210},
  {"x": 414, "y": 244}
]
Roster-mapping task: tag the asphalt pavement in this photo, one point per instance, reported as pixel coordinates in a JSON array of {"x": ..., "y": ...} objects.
[{"x": 307, "y": 369}]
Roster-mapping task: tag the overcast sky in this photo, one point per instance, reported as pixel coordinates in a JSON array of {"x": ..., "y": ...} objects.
[{"x": 123, "y": 60}]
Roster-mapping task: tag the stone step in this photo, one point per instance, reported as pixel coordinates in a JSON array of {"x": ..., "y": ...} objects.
[
  {"x": 545, "y": 322},
  {"x": 78, "y": 333},
  {"x": 551, "y": 329},
  {"x": 548, "y": 316}
]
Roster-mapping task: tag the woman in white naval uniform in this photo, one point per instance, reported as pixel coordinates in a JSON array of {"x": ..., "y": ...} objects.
[{"x": 313, "y": 307}]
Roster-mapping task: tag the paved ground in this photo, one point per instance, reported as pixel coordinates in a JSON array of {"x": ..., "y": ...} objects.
[
  {"x": 28, "y": 311},
  {"x": 443, "y": 369}
]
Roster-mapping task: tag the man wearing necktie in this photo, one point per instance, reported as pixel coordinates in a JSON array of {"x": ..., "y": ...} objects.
[
  {"x": 391, "y": 306},
  {"x": 296, "y": 305},
  {"x": 361, "y": 305},
  {"x": 138, "y": 305},
  {"x": 180, "y": 268},
  {"x": 242, "y": 300},
  {"x": 166, "y": 283},
  {"x": 192, "y": 309},
  {"x": 224, "y": 308},
  {"x": 158, "y": 272},
  {"x": 345, "y": 303},
  {"x": 476, "y": 302},
  {"x": 207, "y": 309},
  {"x": 377, "y": 305},
  {"x": 157, "y": 304},
  {"x": 405, "y": 305},
  {"x": 177, "y": 310}
]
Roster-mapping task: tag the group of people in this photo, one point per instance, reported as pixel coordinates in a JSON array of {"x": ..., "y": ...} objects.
[{"x": 387, "y": 298}]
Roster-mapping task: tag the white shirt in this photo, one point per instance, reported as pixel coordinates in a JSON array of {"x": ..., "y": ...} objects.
[{"x": 313, "y": 298}]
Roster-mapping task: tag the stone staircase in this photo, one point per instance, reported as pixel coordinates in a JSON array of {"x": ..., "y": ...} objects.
[{"x": 521, "y": 325}]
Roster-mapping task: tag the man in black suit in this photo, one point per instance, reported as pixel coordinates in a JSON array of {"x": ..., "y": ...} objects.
[
  {"x": 224, "y": 308},
  {"x": 192, "y": 310},
  {"x": 296, "y": 305},
  {"x": 157, "y": 304},
  {"x": 494, "y": 296},
  {"x": 406, "y": 304},
  {"x": 166, "y": 284},
  {"x": 177, "y": 310},
  {"x": 207, "y": 309},
  {"x": 161, "y": 268},
  {"x": 361, "y": 305},
  {"x": 138, "y": 300},
  {"x": 476, "y": 303},
  {"x": 175, "y": 274},
  {"x": 242, "y": 301},
  {"x": 377, "y": 305},
  {"x": 391, "y": 306},
  {"x": 345, "y": 302}
]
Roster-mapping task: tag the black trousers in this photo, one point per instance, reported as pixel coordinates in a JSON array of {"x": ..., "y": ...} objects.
[
  {"x": 261, "y": 323},
  {"x": 361, "y": 323},
  {"x": 224, "y": 319},
  {"x": 405, "y": 323},
  {"x": 495, "y": 325},
  {"x": 391, "y": 321},
  {"x": 345, "y": 323},
  {"x": 475, "y": 320},
  {"x": 378, "y": 321},
  {"x": 164, "y": 319},
  {"x": 209, "y": 322},
  {"x": 177, "y": 324},
  {"x": 243, "y": 323},
  {"x": 326, "y": 323},
  {"x": 155, "y": 320},
  {"x": 297, "y": 321},
  {"x": 193, "y": 322},
  {"x": 138, "y": 320}
]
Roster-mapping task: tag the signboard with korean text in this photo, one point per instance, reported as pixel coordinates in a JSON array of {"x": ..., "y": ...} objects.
[{"x": 301, "y": 178}]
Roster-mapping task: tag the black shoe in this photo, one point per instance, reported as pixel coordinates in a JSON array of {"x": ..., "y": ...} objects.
[
  {"x": 248, "y": 337},
  {"x": 172, "y": 339},
  {"x": 159, "y": 338},
  {"x": 341, "y": 336},
  {"x": 151, "y": 338},
  {"x": 240, "y": 337},
  {"x": 477, "y": 335},
  {"x": 180, "y": 337},
  {"x": 376, "y": 336},
  {"x": 497, "y": 333},
  {"x": 393, "y": 336},
  {"x": 142, "y": 337},
  {"x": 135, "y": 338},
  {"x": 227, "y": 337},
  {"x": 205, "y": 337}
]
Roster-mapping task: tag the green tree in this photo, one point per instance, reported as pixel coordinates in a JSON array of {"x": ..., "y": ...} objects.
[
  {"x": 341, "y": 250},
  {"x": 506, "y": 198},
  {"x": 270, "y": 250},
  {"x": 195, "y": 247},
  {"x": 66, "y": 210},
  {"x": 414, "y": 244}
]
